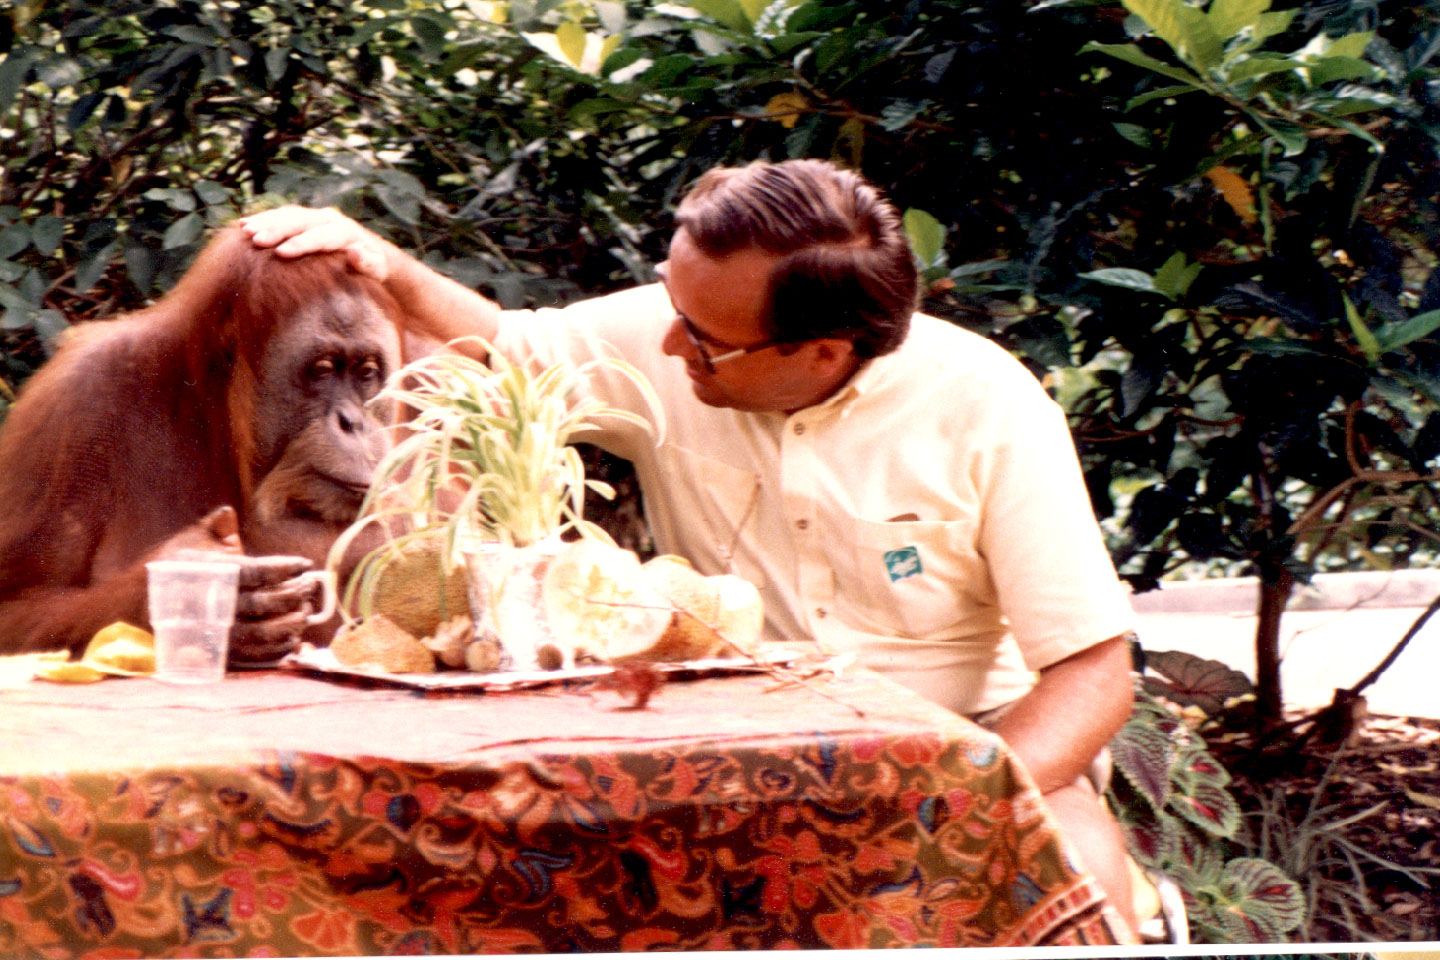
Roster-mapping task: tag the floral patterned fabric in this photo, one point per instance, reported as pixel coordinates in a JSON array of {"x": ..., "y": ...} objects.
[{"x": 276, "y": 815}]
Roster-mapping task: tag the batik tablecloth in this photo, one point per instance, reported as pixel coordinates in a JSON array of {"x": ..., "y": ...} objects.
[{"x": 279, "y": 815}]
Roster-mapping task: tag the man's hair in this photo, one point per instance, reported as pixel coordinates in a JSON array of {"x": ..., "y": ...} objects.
[{"x": 845, "y": 268}]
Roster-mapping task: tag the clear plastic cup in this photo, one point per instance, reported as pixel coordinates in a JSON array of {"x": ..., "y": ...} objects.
[{"x": 192, "y": 607}]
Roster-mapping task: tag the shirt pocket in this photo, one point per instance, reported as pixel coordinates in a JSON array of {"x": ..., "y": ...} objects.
[
  {"x": 907, "y": 578},
  {"x": 713, "y": 504}
]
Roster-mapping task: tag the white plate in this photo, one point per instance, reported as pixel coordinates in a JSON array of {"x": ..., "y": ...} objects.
[{"x": 322, "y": 661}]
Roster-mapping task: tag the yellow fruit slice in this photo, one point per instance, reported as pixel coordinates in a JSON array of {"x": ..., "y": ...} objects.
[
  {"x": 742, "y": 615},
  {"x": 121, "y": 648},
  {"x": 596, "y": 598},
  {"x": 691, "y": 633}
]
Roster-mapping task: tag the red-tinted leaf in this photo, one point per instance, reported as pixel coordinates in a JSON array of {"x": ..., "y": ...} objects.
[
  {"x": 1210, "y": 808},
  {"x": 1195, "y": 680},
  {"x": 1265, "y": 898},
  {"x": 1144, "y": 755}
]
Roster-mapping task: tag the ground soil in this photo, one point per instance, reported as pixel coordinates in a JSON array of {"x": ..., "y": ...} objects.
[{"x": 1377, "y": 786}]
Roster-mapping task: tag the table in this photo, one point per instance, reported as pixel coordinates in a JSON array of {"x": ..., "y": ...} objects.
[{"x": 276, "y": 814}]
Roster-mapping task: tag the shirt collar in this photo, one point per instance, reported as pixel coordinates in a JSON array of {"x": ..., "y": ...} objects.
[{"x": 870, "y": 376}]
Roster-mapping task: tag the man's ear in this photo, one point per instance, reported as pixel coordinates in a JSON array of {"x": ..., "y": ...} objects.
[{"x": 833, "y": 353}]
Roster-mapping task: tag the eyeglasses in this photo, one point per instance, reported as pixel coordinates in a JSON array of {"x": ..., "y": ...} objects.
[{"x": 697, "y": 340}]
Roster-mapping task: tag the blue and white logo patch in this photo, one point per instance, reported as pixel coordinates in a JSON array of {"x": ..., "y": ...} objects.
[{"x": 902, "y": 563}]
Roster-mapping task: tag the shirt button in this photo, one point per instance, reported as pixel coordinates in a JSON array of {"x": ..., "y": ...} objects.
[
  {"x": 803, "y": 524},
  {"x": 821, "y": 612},
  {"x": 799, "y": 429}
]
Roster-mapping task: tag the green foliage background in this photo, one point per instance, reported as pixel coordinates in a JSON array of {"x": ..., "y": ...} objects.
[{"x": 1210, "y": 229}]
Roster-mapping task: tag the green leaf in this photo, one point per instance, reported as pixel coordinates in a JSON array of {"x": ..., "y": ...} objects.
[
  {"x": 1271, "y": 903},
  {"x": 1369, "y": 345},
  {"x": 666, "y": 71},
  {"x": 1259, "y": 66},
  {"x": 1135, "y": 133},
  {"x": 11, "y": 299},
  {"x": 46, "y": 234},
  {"x": 211, "y": 193},
  {"x": 1351, "y": 46},
  {"x": 1190, "y": 679},
  {"x": 1182, "y": 26},
  {"x": 1427, "y": 385},
  {"x": 597, "y": 106},
  {"x": 430, "y": 31},
  {"x": 727, "y": 13},
  {"x": 755, "y": 8},
  {"x": 927, "y": 236},
  {"x": 976, "y": 268},
  {"x": 183, "y": 232},
  {"x": 13, "y": 239},
  {"x": 406, "y": 183},
  {"x": 82, "y": 110},
  {"x": 12, "y": 76},
  {"x": 1290, "y": 136},
  {"x": 139, "y": 264},
  {"x": 1125, "y": 277},
  {"x": 611, "y": 14},
  {"x": 1209, "y": 807},
  {"x": 621, "y": 59},
  {"x": 275, "y": 61},
  {"x": 1281, "y": 347},
  {"x": 1333, "y": 69},
  {"x": 1271, "y": 24},
  {"x": 1143, "y": 755},
  {"x": 571, "y": 38},
  {"x": 402, "y": 203},
  {"x": 90, "y": 270},
  {"x": 1135, "y": 57},
  {"x": 1395, "y": 336},
  {"x": 191, "y": 33},
  {"x": 1138, "y": 383},
  {"x": 1175, "y": 276},
  {"x": 177, "y": 198},
  {"x": 1159, "y": 93},
  {"x": 1227, "y": 18}
]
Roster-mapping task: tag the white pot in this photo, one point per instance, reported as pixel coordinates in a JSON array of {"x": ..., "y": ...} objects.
[{"x": 507, "y": 602}]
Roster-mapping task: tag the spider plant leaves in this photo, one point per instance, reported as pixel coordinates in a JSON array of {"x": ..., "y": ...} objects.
[{"x": 486, "y": 454}]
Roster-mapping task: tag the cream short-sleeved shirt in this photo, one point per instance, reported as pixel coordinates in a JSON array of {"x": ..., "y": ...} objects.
[{"x": 930, "y": 516}]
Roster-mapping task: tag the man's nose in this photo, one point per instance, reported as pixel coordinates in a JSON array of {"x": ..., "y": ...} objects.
[{"x": 675, "y": 343}]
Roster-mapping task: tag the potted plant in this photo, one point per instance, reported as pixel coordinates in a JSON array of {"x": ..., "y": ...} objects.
[{"x": 484, "y": 475}]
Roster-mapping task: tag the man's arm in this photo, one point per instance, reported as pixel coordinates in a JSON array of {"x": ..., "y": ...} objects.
[
  {"x": 1079, "y": 704},
  {"x": 435, "y": 305}
]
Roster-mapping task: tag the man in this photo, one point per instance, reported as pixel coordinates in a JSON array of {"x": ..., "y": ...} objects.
[{"x": 894, "y": 485}]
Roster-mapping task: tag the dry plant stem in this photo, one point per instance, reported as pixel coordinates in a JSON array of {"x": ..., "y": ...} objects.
[
  {"x": 784, "y": 676},
  {"x": 1359, "y": 474}
]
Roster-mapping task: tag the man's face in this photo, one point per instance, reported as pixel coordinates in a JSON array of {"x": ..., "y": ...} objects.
[{"x": 724, "y": 302}]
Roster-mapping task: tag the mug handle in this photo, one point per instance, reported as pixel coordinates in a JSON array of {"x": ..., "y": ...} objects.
[{"x": 326, "y": 580}]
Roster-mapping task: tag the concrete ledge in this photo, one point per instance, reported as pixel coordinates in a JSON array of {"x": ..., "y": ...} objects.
[
  {"x": 1333, "y": 633},
  {"x": 1329, "y": 591}
]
